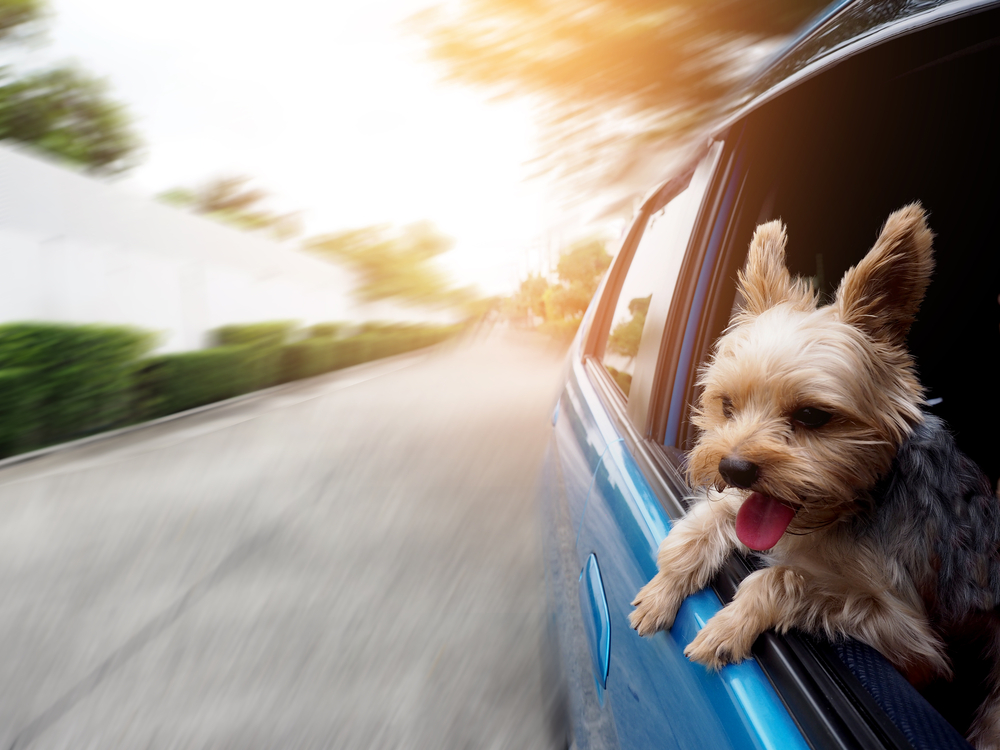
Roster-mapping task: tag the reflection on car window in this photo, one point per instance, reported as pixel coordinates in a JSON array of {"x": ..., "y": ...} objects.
[{"x": 654, "y": 270}]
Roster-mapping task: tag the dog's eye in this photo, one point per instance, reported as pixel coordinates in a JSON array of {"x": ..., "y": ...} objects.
[
  {"x": 810, "y": 416},
  {"x": 727, "y": 407}
]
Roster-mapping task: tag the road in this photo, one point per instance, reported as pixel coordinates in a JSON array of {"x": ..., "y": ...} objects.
[{"x": 348, "y": 562}]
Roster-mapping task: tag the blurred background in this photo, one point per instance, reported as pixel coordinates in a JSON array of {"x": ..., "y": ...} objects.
[{"x": 285, "y": 295}]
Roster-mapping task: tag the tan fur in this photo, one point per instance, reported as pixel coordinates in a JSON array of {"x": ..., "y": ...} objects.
[{"x": 782, "y": 353}]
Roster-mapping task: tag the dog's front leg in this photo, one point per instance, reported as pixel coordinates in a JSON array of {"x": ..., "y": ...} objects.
[
  {"x": 782, "y": 597},
  {"x": 692, "y": 553},
  {"x": 765, "y": 598}
]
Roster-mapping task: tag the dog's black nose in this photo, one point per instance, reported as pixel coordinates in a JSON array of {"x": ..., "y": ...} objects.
[{"x": 738, "y": 472}]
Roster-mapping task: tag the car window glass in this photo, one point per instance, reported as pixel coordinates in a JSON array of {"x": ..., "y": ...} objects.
[{"x": 653, "y": 271}]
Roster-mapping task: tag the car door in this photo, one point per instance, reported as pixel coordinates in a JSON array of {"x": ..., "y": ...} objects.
[{"x": 653, "y": 696}]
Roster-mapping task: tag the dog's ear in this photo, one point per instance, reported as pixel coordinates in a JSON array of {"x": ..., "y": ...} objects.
[
  {"x": 765, "y": 281},
  {"x": 882, "y": 293}
]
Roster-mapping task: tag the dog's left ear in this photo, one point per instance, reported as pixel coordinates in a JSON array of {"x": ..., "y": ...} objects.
[{"x": 882, "y": 293}]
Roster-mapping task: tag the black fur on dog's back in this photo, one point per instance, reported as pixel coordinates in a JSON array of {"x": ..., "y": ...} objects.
[{"x": 936, "y": 515}]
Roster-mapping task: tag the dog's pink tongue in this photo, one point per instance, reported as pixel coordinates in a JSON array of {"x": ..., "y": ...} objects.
[{"x": 761, "y": 521}]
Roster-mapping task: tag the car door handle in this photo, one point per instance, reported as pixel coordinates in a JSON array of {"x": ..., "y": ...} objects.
[{"x": 596, "y": 621}]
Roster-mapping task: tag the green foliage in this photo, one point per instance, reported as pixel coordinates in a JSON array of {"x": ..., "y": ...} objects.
[
  {"x": 328, "y": 330},
  {"x": 529, "y": 301},
  {"x": 320, "y": 354},
  {"x": 624, "y": 337},
  {"x": 81, "y": 380},
  {"x": 16, "y": 16},
  {"x": 261, "y": 334},
  {"x": 562, "y": 305},
  {"x": 231, "y": 201},
  {"x": 584, "y": 263},
  {"x": 176, "y": 382},
  {"x": 395, "y": 264},
  {"x": 307, "y": 358},
  {"x": 266, "y": 340},
  {"x": 20, "y": 409},
  {"x": 64, "y": 110},
  {"x": 68, "y": 114},
  {"x": 657, "y": 67},
  {"x": 58, "y": 382}
]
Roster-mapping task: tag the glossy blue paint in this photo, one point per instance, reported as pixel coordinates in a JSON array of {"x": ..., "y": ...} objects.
[
  {"x": 652, "y": 688},
  {"x": 579, "y": 446},
  {"x": 583, "y": 515},
  {"x": 645, "y": 692},
  {"x": 596, "y": 622}
]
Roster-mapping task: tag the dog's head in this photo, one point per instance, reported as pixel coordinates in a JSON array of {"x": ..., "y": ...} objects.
[{"x": 803, "y": 407}]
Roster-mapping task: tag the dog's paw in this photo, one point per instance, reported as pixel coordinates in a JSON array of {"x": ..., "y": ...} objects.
[
  {"x": 720, "y": 642},
  {"x": 656, "y": 606}
]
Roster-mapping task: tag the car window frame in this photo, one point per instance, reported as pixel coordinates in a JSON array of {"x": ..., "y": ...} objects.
[
  {"x": 663, "y": 470},
  {"x": 600, "y": 326},
  {"x": 661, "y": 321},
  {"x": 704, "y": 166}
]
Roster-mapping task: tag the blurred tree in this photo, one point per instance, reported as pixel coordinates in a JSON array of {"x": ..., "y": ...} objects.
[
  {"x": 16, "y": 17},
  {"x": 529, "y": 300},
  {"x": 615, "y": 75},
  {"x": 395, "y": 264},
  {"x": 231, "y": 200},
  {"x": 561, "y": 305},
  {"x": 63, "y": 111},
  {"x": 580, "y": 271}
]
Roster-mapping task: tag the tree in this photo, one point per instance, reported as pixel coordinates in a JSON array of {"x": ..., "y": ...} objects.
[
  {"x": 231, "y": 200},
  {"x": 579, "y": 270},
  {"x": 395, "y": 263},
  {"x": 529, "y": 300},
  {"x": 618, "y": 77},
  {"x": 16, "y": 17},
  {"x": 63, "y": 111},
  {"x": 561, "y": 305},
  {"x": 67, "y": 113},
  {"x": 624, "y": 337}
]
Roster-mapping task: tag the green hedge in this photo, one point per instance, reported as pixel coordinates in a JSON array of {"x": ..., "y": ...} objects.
[
  {"x": 266, "y": 341},
  {"x": 176, "y": 382},
  {"x": 258, "y": 334},
  {"x": 20, "y": 412},
  {"x": 319, "y": 354},
  {"x": 305, "y": 359},
  {"x": 58, "y": 382},
  {"x": 82, "y": 379},
  {"x": 328, "y": 330}
]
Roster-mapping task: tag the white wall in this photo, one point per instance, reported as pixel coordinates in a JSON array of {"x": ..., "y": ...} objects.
[{"x": 76, "y": 250}]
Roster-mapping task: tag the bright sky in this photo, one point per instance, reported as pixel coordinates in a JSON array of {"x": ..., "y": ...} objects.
[{"x": 329, "y": 106}]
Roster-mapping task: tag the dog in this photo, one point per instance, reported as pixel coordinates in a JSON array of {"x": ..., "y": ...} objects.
[{"x": 816, "y": 455}]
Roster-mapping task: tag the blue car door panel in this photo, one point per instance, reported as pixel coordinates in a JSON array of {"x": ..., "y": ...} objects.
[{"x": 680, "y": 703}]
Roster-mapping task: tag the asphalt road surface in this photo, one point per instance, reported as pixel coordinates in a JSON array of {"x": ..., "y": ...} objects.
[{"x": 348, "y": 562}]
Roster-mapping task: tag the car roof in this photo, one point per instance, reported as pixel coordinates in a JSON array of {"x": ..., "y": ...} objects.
[{"x": 844, "y": 29}]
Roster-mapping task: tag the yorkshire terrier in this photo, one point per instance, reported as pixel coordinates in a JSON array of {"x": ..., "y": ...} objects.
[{"x": 817, "y": 456}]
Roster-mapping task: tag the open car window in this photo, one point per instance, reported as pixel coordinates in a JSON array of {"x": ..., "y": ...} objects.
[{"x": 832, "y": 159}]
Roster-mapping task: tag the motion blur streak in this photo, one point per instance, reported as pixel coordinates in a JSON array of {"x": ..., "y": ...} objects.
[{"x": 320, "y": 567}]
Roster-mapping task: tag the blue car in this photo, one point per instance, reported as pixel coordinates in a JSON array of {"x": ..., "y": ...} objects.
[{"x": 877, "y": 104}]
